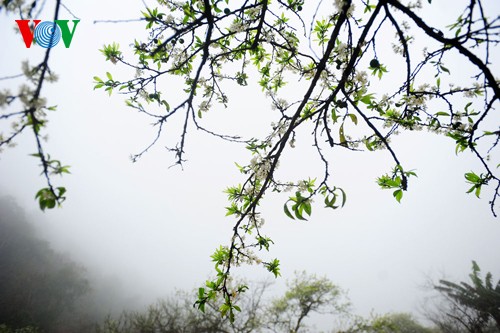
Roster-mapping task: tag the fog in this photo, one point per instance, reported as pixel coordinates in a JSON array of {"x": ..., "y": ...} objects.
[{"x": 153, "y": 227}]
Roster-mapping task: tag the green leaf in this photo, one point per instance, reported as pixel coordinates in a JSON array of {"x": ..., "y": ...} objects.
[
  {"x": 344, "y": 197},
  {"x": 478, "y": 191},
  {"x": 330, "y": 203},
  {"x": 343, "y": 140},
  {"x": 398, "y": 194},
  {"x": 367, "y": 99},
  {"x": 444, "y": 69},
  {"x": 61, "y": 191},
  {"x": 472, "y": 177},
  {"x": 307, "y": 207},
  {"x": 224, "y": 308},
  {"x": 298, "y": 212},
  {"x": 47, "y": 199},
  {"x": 287, "y": 212},
  {"x": 273, "y": 267},
  {"x": 353, "y": 118}
]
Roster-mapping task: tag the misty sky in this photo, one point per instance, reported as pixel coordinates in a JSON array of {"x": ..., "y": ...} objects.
[{"x": 155, "y": 227}]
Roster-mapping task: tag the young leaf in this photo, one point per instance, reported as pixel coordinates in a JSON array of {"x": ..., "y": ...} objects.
[
  {"x": 398, "y": 194},
  {"x": 287, "y": 212}
]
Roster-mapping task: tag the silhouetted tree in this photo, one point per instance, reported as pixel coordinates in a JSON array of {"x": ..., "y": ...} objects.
[{"x": 472, "y": 307}]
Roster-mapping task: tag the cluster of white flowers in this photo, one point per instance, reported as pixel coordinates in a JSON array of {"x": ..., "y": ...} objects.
[
  {"x": 198, "y": 3},
  {"x": 309, "y": 74},
  {"x": 361, "y": 78},
  {"x": 143, "y": 94},
  {"x": 247, "y": 257},
  {"x": 207, "y": 88},
  {"x": 170, "y": 19},
  {"x": 339, "y": 4},
  {"x": 384, "y": 101},
  {"x": 138, "y": 73},
  {"x": 179, "y": 57},
  {"x": 26, "y": 96},
  {"x": 253, "y": 13},
  {"x": 280, "y": 128},
  {"x": 237, "y": 26},
  {"x": 415, "y": 102},
  {"x": 204, "y": 106},
  {"x": 257, "y": 220},
  {"x": 428, "y": 88},
  {"x": 5, "y": 96},
  {"x": 28, "y": 71},
  {"x": 279, "y": 104},
  {"x": 472, "y": 92},
  {"x": 416, "y": 4},
  {"x": 269, "y": 35},
  {"x": 32, "y": 73},
  {"x": 250, "y": 191},
  {"x": 14, "y": 5},
  {"x": 302, "y": 185},
  {"x": 327, "y": 79},
  {"x": 278, "y": 131},
  {"x": 52, "y": 77},
  {"x": 174, "y": 5},
  {"x": 214, "y": 45},
  {"x": 424, "y": 87},
  {"x": 260, "y": 166},
  {"x": 288, "y": 187},
  {"x": 343, "y": 51},
  {"x": 397, "y": 48}
]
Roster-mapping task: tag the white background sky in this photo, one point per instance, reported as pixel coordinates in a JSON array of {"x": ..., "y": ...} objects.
[{"x": 155, "y": 227}]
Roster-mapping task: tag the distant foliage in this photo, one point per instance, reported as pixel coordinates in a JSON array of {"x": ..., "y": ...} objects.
[
  {"x": 306, "y": 295},
  {"x": 38, "y": 287},
  {"x": 27, "y": 329},
  {"x": 472, "y": 307}
]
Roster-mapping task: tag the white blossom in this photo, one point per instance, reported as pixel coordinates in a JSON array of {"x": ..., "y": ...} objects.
[
  {"x": 302, "y": 185},
  {"x": 289, "y": 187},
  {"x": 27, "y": 70},
  {"x": 204, "y": 106},
  {"x": 253, "y": 12},
  {"x": 280, "y": 104},
  {"x": 339, "y": 4},
  {"x": 472, "y": 92},
  {"x": 4, "y": 98},
  {"x": 237, "y": 26},
  {"x": 361, "y": 78},
  {"x": 260, "y": 166},
  {"x": 414, "y": 101},
  {"x": 343, "y": 51},
  {"x": 170, "y": 19},
  {"x": 384, "y": 101}
]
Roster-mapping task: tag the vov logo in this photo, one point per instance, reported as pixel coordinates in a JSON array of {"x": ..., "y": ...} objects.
[{"x": 47, "y": 34}]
